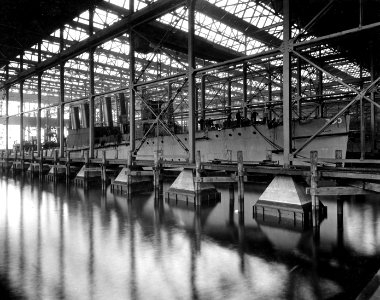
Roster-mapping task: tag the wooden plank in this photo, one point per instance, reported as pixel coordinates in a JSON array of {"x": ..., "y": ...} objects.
[
  {"x": 214, "y": 179},
  {"x": 337, "y": 191},
  {"x": 91, "y": 169},
  {"x": 371, "y": 186},
  {"x": 139, "y": 173},
  {"x": 351, "y": 175}
]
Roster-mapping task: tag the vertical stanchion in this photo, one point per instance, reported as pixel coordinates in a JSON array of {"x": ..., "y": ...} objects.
[
  {"x": 67, "y": 166},
  {"x": 157, "y": 174},
  {"x": 55, "y": 170},
  {"x": 338, "y": 155},
  {"x": 104, "y": 170},
  {"x": 86, "y": 165},
  {"x": 198, "y": 166},
  {"x": 232, "y": 202},
  {"x": 41, "y": 162},
  {"x": 314, "y": 185},
  {"x": 240, "y": 168},
  {"x": 339, "y": 211}
]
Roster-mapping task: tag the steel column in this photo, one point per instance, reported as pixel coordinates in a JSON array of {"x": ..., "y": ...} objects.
[
  {"x": 171, "y": 120},
  {"x": 6, "y": 108},
  {"x": 229, "y": 97},
  {"x": 203, "y": 100},
  {"x": 39, "y": 98},
  {"x": 373, "y": 108},
  {"x": 92, "y": 88},
  {"x": 299, "y": 89},
  {"x": 132, "y": 79},
  {"x": 22, "y": 108},
  {"x": 245, "y": 89},
  {"x": 270, "y": 77},
  {"x": 320, "y": 93},
  {"x": 191, "y": 68},
  {"x": 61, "y": 99},
  {"x": 287, "y": 113}
]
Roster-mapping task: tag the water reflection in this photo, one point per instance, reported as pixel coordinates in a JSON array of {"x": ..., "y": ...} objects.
[{"x": 65, "y": 242}]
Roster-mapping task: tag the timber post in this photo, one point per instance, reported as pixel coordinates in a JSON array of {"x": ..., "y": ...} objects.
[
  {"x": 240, "y": 168},
  {"x": 232, "y": 202},
  {"x": 55, "y": 170},
  {"x": 314, "y": 186},
  {"x": 104, "y": 170},
  {"x": 198, "y": 168},
  {"x": 41, "y": 163},
  {"x": 86, "y": 166},
  {"x": 67, "y": 166},
  {"x": 338, "y": 155},
  {"x": 157, "y": 180}
]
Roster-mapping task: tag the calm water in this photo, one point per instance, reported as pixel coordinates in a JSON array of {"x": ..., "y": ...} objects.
[{"x": 61, "y": 242}]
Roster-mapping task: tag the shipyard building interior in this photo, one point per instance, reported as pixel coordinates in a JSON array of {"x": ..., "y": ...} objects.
[{"x": 246, "y": 131}]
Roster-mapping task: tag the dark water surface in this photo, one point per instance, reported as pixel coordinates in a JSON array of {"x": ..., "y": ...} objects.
[{"x": 61, "y": 242}]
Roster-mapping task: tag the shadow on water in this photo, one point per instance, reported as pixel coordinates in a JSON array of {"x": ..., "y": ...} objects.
[{"x": 61, "y": 241}]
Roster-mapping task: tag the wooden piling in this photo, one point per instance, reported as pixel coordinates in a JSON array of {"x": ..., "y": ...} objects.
[
  {"x": 86, "y": 165},
  {"x": 240, "y": 168},
  {"x": 314, "y": 186},
  {"x": 338, "y": 155},
  {"x": 55, "y": 166},
  {"x": 157, "y": 178},
  {"x": 104, "y": 170},
  {"x": 198, "y": 166},
  {"x": 231, "y": 190},
  {"x": 68, "y": 166},
  {"x": 41, "y": 163}
]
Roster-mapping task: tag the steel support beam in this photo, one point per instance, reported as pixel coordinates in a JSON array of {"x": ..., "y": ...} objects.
[
  {"x": 61, "y": 109},
  {"x": 203, "y": 100},
  {"x": 92, "y": 88},
  {"x": 21, "y": 108},
  {"x": 270, "y": 93},
  {"x": 39, "y": 100},
  {"x": 287, "y": 112},
  {"x": 229, "y": 97},
  {"x": 299, "y": 88},
  {"x": 132, "y": 91},
  {"x": 245, "y": 89},
  {"x": 191, "y": 92},
  {"x": 6, "y": 108},
  {"x": 146, "y": 14},
  {"x": 373, "y": 108}
]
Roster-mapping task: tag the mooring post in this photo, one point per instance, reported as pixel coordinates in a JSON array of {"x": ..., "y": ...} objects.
[
  {"x": 55, "y": 171},
  {"x": 104, "y": 170},
  {"x": 339, "y": 211},
  {"x": 157, "y": 173},
  {"x": 240, "y": 168},
  {"x": 314, "y": 186},
  {"x": 32, "y": 156},
  {"x": 338, "y": 155},
  {"x": 41, "y": 163},
  {"x": 86, "y": 165},
  {"x": 232, "y": 202},
  {"x": 22, "y": 154},
  {"x": 67, "y": 166},
  {"x": 198, "y": 167}
]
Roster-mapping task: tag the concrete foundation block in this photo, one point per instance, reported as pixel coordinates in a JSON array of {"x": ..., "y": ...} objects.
[
  {"x": 184, "y": 189},
  {"x": 125, "y": 182},
  {"x": 285, "y": 201}
]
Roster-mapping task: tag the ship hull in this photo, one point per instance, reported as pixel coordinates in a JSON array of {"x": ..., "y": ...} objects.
[{"x": 256, "y": 141}]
